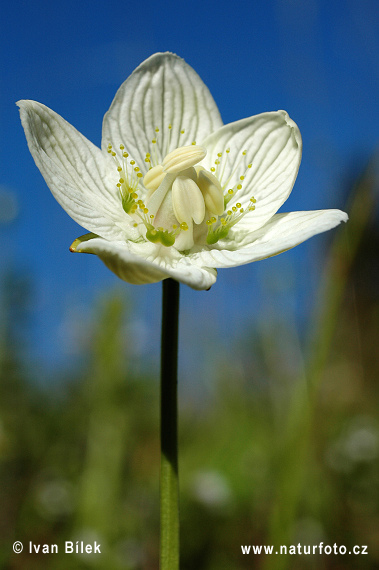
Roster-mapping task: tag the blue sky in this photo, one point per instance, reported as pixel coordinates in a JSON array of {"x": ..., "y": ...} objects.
[{"x": 316, "y": 59}]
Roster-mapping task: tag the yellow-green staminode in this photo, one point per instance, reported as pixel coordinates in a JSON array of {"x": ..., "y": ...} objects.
[{"x": 173, "y": 192}]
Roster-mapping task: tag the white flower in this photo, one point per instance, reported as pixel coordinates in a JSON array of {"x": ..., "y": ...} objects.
[{"x": 173, "y": 192}]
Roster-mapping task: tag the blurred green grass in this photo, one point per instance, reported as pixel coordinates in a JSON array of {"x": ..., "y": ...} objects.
[{"x": 283, "y": 453}]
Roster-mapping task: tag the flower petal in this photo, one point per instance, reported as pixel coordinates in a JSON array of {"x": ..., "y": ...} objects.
[
  {"x": 148, "y": 263},
  {"x": 162, "y": 91},
  {"x": 281, "y": 233},
  {"x": 80, "y": 176},
  {"x": 266, "y": 151}
]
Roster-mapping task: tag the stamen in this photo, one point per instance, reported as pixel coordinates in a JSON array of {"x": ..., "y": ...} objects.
[
  {"x": 154, "y": 177},
  {"x": 211, "y": 190},
  {"x": 182, "y": 158}
]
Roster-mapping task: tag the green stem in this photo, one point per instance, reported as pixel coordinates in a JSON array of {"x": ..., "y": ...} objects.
[{"x": 169, "y": 544}]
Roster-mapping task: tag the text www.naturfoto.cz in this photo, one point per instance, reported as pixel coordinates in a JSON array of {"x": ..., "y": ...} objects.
[{"x": 304, "y": 549}]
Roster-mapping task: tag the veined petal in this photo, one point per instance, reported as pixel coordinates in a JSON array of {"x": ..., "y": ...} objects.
[
  {"x": 80, "y": 176},
  {"x": 162, "y": 91},
  {"x": 258, "y": 157},
  {"x": 148, "y": 263},
  {"x": 281, "y": 233}
]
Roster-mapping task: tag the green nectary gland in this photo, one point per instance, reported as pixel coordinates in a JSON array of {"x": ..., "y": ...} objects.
[
  {"x": 164, "y": 237},
  {"x": 128, "y": 204},
  {"x": 220, "y": 233}
]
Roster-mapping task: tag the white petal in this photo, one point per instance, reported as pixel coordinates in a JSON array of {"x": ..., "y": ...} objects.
[
  {"x": 162, "y": 91},
  {"x": 273, "y": 148},
  {"x": 148, "y": 263},
  {"x": 80, "y": 176},
  {"x": 281, "y": 233}
]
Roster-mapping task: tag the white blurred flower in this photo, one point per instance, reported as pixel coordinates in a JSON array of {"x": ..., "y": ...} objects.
[
  {"x": 358, "y": 444},
  {"x": 55, "y": 498},
  {"x": 173, "y": 192},
  {"x": 211, "y": 488}
]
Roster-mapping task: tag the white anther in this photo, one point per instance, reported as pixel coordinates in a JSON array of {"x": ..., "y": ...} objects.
[
  {"x": 212, "y": 192},
  {"x": 187, "y": 201},
  {"x": 154, "y": 177},
  {"x": 182, "y": 158},
  {"x": 155, "y": 199}
]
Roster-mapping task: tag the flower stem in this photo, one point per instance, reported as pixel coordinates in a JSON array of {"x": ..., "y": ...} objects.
[{"x": 169, "y": 487}]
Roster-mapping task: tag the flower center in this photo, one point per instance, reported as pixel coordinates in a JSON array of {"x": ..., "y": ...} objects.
[{"x": 178, "y": 202}]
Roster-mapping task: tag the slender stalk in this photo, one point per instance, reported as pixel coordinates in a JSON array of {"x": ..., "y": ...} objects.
[{"x": 169, "y": 485}]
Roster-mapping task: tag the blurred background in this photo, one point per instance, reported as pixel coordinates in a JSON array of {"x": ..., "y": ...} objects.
[{"x": 278, "y": 364}]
